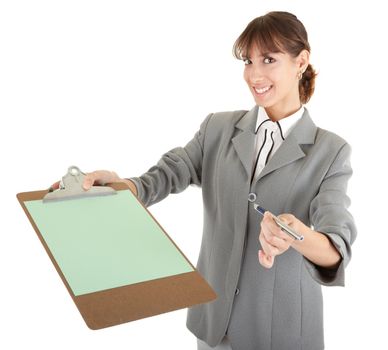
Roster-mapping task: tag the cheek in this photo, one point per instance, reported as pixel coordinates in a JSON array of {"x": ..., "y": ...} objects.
[
  {"x": 283, "y": 81},
  {"x": 246, "y": 75},
  {"x": 277, "y": 75}
]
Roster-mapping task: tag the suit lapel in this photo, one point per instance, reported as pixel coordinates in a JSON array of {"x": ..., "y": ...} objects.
[
  {"x": 244, "y": 141},
  {"x": 289, "y": 151}
]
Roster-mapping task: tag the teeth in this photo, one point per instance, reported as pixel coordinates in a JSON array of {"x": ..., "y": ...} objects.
[{"x": 261, "y": 91}]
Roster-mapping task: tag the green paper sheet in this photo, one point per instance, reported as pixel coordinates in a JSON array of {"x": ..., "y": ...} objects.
[{"x": 106, "y": 242}]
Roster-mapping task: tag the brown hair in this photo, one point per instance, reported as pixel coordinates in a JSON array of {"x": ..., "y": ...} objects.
[{"x": 278, "y": 31}]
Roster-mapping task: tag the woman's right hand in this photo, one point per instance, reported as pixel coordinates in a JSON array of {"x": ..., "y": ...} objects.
[{"x": 101, "y": 177}]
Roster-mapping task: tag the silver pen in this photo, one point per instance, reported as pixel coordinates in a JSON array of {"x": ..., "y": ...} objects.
[{"x": 287, "y": 229}]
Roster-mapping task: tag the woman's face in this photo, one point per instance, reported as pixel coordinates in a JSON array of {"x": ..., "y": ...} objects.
[{"x": 273, "y": 80}]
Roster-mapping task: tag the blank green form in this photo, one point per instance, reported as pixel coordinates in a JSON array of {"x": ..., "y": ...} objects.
[{"x": 106, "y": 242}]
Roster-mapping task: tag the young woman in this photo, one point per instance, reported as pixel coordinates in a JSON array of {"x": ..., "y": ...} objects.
[{"x": 268, "y": 284}]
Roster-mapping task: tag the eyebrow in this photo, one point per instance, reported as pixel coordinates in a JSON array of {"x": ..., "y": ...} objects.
[{"x": 265, "y": 54}]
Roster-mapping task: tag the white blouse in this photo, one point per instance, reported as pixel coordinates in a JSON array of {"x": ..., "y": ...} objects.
[{"x": 269, "y": 137}]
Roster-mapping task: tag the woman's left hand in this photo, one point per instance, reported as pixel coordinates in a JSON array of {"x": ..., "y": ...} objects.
[{"x": 273, "y": 240}]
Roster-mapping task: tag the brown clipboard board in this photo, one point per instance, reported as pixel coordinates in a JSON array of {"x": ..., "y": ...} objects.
[{"x": 119, "y": 305}]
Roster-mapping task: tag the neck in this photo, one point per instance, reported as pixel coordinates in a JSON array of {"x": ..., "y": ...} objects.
[{"x": 276, "y": 113}]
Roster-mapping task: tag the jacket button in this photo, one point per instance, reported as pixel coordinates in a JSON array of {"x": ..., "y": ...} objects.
[
  {"x": 252, "y": 197},
  {"x": 237, "y": 291}
]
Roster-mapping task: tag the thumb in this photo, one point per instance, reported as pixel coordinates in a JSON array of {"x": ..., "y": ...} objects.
[{"x": 286, "y": 218}]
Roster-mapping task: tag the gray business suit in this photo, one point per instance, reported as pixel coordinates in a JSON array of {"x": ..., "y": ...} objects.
[{"x": 307, "y": 176}]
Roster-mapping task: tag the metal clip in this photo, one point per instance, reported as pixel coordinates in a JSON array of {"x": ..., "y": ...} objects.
[{"x": 71, "y": 187}]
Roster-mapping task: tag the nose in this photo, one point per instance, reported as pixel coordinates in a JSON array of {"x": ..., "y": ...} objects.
[{"x": 255, "y": 74}]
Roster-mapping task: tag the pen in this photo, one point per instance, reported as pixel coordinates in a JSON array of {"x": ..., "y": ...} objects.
[{"x": 287, "y": 229}]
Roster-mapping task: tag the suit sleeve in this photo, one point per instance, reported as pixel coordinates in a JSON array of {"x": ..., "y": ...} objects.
[
  {"x": 329, "y": 215},
  {"x": 175, "y": 171}
]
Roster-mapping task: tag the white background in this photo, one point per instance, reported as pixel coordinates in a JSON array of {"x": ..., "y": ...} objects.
[{"x": 115, "y": 84}]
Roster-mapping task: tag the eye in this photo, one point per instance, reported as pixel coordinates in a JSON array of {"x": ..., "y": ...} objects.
[
  {"x": 246, "y": 61},
  {"x": 268, "y": 59}
]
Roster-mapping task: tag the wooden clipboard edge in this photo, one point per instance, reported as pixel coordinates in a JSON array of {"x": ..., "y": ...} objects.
[
  {"x": 145, "y": 299},
  {"x": 111, "y": 307}
]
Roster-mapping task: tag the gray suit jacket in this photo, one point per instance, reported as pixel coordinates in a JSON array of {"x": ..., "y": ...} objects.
[{"x": 307, "y": 176}]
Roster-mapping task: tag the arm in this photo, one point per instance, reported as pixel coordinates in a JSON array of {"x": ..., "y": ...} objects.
[
  {"x": 174, "y": 172},
  {"x": 329, "y": 215},
  {"x": 316, "y": 247},
  {"x": 327, "y": 246}
]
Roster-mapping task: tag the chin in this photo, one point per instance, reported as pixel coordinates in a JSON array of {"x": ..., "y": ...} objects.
[{"x": 264, "y": 104}]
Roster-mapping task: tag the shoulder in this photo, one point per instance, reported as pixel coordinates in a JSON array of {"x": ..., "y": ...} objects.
[
  {"x": 330, "y": 139},
  {"x": 220, "y": 126},
  {"x": 224, "y": 120},
  {"x": 321, "y": 139},
  {"x": 227, "y": 117},
  {"x": 330, "y": 148}
]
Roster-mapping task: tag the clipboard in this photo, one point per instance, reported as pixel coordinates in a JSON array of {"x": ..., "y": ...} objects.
[{"x": 116, "y": 261}]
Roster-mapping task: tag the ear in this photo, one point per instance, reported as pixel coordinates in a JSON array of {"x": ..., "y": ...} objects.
[{"x": 303, "y": 60}]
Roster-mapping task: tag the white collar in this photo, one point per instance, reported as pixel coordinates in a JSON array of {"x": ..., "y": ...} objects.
[{"x": 285, "y": 124}]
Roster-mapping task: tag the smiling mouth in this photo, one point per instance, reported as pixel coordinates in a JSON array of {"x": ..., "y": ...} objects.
[{"x": 262, "y": 90}]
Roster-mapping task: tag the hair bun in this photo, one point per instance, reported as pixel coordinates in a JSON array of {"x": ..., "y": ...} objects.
[{"x": 307, "y": 84}]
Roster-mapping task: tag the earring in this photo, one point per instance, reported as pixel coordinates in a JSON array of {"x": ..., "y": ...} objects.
[{"x": 300, "y": 74}]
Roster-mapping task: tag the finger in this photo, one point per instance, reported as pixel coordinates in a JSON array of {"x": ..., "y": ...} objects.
[
  {"x": 273, "y": 239},
  {"x": 265, "y": 259},
  {"x": 287, "y": 238},
  {"x": 275, "y": 246},
  {"x": 54, "y": 186},
  {"x": 267, "y": 247},
  {"x": 289, "y": 220},
  {"x": 286, "y": 218},
  {"x": 274, "y": 230},
  {"x": 89, "y": 180},
  {"x": 270, "y": 230},
  {"x": 270, "y": 223}
]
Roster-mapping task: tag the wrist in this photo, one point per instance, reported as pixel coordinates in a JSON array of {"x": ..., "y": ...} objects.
[{"x": 131, "y": 185}]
